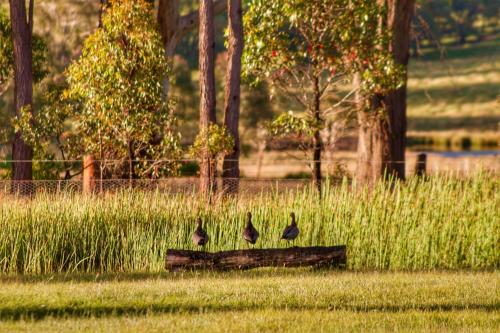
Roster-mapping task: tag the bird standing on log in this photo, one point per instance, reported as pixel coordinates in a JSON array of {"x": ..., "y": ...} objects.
[
  {"x": 292, "y": 231},
  {"x": 250, "y": 234},
  {"x": 200, "y": 236}
]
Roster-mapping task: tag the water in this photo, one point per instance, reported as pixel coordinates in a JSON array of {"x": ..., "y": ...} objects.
[{"x": 464, "y": 153}]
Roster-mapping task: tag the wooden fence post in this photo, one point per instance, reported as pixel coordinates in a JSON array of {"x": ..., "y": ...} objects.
[
  {"x": 88, "y": 174},
  {"x": 421, "y": 164}
]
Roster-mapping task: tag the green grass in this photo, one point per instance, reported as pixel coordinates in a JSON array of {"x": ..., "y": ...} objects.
[
  {"x": 459, "y": 91},
  {"x": 298, "y": 300},
  {"x": 445, "y": 222}
]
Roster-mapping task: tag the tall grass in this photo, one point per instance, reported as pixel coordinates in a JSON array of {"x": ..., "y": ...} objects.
[{"x": 444, "y": 222}]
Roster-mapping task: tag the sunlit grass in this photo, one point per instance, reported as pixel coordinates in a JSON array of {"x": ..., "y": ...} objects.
[
  {"x": 463, "y": 84},
  {"x": 444, "y": 222},
  {"x": 297, "y": 300}
]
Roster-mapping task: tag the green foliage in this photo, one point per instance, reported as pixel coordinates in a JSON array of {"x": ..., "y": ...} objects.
[
  {"x": 213, "y": 142},
  {"x": 308, "y": 50},
  {"x": 456, "y": 21},
  {"x": 288, "y": 40},
  {"x": 189, "y": 168},
  {"x": 7, "y": 53},
  {"x": 288, "y": 124},
  {"x": 113, "y": 106},
  {"x": 39, "y": 52}
]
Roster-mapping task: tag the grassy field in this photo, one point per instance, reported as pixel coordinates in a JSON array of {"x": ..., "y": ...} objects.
[
  {"x": 456, "y": 92},
  {"x": 444, "y": 222},
  {"x": 297, "y": 300}
]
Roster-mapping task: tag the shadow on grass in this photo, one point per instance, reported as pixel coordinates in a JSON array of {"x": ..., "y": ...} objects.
[
  {"x": 472, "y": 93},
  {"x": 40, "y": 312},
  {"x": 183, "y": 275},
  {"x": 489, "y": 48},
  {"x": 453, "y": 123}
]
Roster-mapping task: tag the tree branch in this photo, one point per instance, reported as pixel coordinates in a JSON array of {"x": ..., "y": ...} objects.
[{"x": 190, "y": 21}]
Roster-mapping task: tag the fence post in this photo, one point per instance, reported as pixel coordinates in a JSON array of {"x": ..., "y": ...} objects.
[
  {"x": 88, "y": 174},
  {"x": 421, "y": 164}
]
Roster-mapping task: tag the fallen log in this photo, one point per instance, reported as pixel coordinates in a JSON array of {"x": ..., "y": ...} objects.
[{"x": 253, "y": 258}]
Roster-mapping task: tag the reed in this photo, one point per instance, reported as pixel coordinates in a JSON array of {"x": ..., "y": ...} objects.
[{"x": 443, "y": 222}]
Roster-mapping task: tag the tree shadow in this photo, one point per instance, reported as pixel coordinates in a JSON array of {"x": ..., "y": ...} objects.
[{"x": 96, "y": 311}]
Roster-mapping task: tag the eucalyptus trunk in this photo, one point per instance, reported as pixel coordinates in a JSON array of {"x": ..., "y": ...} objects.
[
  {"x": 22, "y": 28},
  {"x": 316, "y": 140},
  {"x": 231, "y": 165},
  {"x": 207, "y": 90},
  {"x": 382, "y": 135}
]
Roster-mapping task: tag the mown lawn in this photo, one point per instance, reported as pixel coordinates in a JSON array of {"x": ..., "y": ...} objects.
[{"x": 276, "y": 300}]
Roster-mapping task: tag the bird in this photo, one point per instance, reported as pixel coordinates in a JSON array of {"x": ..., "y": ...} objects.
[
  {"x": 250, "y": 234},
  {"x": 200, "y": 236},
  {"x": 292, "y": 231}
]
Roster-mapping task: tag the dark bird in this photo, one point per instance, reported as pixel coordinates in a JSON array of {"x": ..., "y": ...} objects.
[
  {"x": 291, "y": 232},
  {"x": 250, "y": 234},
  {"x": 200, "y": 236}
]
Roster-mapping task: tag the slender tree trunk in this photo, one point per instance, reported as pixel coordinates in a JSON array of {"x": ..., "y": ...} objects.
[
  {"x": 382, "y": 136},
  {"x": 207, "y": 88},
  {"x": 231, "y": 165},
  {"x": 131, "y": 163},
  {"x": 89, "y": 174},
  {"x": 316, "y": 140},
  {"x": 22, "y": 27}
]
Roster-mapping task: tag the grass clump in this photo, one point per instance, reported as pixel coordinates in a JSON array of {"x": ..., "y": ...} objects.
[{"x": 443, "y": 222}]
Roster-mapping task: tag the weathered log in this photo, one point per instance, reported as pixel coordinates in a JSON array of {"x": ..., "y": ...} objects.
[{"x": 253, "y": 258}]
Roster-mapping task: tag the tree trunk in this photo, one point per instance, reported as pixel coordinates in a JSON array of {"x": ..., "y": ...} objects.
[
  {"x": 382, "y": 138},
  {"x": 22, "y": 27},
  {"x": 254, "y": 258},
  {"x": 316, "y": 140},
  {"x": 207, "y": 89},
  {"x": 131, "y": 163},
  {"x": 89, "y": 174},
  {"x": 231, "y": 165}
]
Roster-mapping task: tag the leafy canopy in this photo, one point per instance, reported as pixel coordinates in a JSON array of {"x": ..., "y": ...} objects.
[
  {"x": 212, "y": 142},
  {"x": 113, "y": 105},
  {"x": 7, "y": 53},
  {"x": 289, "y": 43}
]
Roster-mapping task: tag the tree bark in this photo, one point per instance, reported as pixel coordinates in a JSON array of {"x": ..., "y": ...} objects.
[
  {"x": 382, "y": 135},
  {"x": 22, "y": 29},
  {"x": 231, "y": 165},
  {"x": 254, "y": 258},
  {"x": 89, "y": 174},
  {"x": 207, "y": 89},
  {"x": 316, "y": 140}
]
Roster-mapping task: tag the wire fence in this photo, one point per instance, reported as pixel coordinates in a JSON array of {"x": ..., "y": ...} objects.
[
  {"x": 277, "y": 175},
  {"x": 174, "y": 185}
]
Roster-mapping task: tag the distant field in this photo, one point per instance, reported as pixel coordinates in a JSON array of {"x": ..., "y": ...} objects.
[
  {"x": 275, "y": 300},
  {"x": 459, "y": 91}
]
